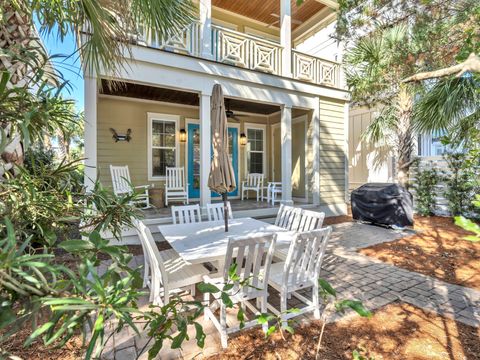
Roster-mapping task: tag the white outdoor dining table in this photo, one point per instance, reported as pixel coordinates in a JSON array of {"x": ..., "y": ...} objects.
[{"x": 207, "y": 241}]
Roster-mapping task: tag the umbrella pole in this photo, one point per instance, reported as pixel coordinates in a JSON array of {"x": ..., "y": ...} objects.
[{"x": 225, "y": 210}]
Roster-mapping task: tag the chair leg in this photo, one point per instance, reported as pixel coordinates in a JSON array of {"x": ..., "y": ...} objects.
[
  {"x": 263, "y": 310},
  {"x": 223, "y": 325},
  {"x": 316, "y": 301},
  {"x": 283, "y": 307},
  {"x": 192, "y": 290},
  {"x": 242, "y": 194}
]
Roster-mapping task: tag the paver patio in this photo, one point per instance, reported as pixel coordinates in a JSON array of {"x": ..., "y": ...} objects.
[{"x": 354, "y": 276}]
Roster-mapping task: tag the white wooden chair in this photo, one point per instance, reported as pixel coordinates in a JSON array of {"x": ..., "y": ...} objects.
[
  {"x": 253, "y": 258},
  {"x": 186, "y": 214},
  {"x": 216, "y": 211},
  {"x": 300, "y": 271},
  {"x": 288, "y": 217},
  {"x": 168, "y": 270},
  {"x": 305, "y": 220},
  {"x": 253, "y": 182},
  {"x": 176, "y": 188},
  {"x": 122, "y": 185},
  {"x": 273, "y": 190}
]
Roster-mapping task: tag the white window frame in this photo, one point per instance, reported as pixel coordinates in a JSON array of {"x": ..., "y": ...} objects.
[
  {"x": 262, "y": 127},
  {"x": 151, "y": 117}
]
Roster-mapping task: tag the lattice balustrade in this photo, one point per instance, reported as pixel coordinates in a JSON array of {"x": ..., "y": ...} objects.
[
  {"x": 304, "y": 67},
  {"x": 327, "y": 73},
  {"x": 315, "y": 70},
  {"x": 232, "y": 49}
]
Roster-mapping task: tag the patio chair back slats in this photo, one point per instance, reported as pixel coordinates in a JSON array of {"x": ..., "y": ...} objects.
[
  {"x": 186, "y": 214},
  {"x": 121, "y": 182},
  {"x": 288, "y": 217},
  {"x": 305, "y": 256},
  {"x": 253, "y": 256},
  {"x": 254, "y": 180},
  {"x": 216, "y": 211},
  {"x": 175, "y": 179},
  {"x": 310, "y": 220}
]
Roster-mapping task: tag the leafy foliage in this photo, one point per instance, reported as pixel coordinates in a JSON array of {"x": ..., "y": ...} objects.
[{"x": 425, "y": 195}]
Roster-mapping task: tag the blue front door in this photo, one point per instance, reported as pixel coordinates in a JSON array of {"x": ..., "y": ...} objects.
[{"x": 194, "y": 166}]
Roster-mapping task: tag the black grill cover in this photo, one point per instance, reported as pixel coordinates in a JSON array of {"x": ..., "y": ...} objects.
[{"x": 383, "y": 204}]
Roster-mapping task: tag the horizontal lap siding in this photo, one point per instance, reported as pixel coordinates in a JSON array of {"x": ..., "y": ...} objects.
[
  {"x": 332, "y": 152},
  {"x": 122, "y": 115}
]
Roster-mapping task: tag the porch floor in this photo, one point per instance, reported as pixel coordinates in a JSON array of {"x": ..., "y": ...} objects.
[{"x": 236, "y": 204}]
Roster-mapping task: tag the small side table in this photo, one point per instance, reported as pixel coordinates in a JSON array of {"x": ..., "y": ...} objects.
[{"x": 156, "y": 197}]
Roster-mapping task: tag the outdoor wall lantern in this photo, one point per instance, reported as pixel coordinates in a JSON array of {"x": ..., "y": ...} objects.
[
  {"x": 121, "y": 137},
  {"x": 183, "y": 136},
  {"x": 243, "y": 139}
]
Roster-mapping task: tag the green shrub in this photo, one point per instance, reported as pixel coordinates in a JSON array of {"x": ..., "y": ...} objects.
[{"x": 425, "y": 195}]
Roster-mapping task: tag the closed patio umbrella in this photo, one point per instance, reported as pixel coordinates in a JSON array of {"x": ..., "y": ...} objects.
[{"x": 222, "y": 177}]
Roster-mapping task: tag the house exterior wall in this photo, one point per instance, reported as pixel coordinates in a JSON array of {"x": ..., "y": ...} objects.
[
  {"x": 367, "y": 162},
  {"x": 332, "y": 155}
]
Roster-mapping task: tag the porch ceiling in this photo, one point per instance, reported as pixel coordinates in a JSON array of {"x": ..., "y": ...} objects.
[
  {"x": 146, "y": 92},
  {"x": 262, "y": 10}
]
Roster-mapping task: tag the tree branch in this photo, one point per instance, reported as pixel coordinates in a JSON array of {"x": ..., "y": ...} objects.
[{"x": 472, "y": 64}]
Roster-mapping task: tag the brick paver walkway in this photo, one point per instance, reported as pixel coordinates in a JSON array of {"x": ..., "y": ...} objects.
[{"x": 353, "y": 275}]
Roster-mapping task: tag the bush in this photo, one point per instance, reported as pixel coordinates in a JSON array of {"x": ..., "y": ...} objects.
[{"x": 425, "y": 195}]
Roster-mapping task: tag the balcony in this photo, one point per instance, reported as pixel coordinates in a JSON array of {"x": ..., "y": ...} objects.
[{"x": 247, "y": 51}]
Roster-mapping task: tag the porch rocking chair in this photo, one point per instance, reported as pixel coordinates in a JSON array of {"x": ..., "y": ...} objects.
[
  {"x": 176, "y": 188},
  {"x": 122, "y": 185}
]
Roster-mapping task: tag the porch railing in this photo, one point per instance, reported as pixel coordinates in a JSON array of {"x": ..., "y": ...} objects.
[
  {"x": 316, "y": 70},
  {"x": 247, "y": 51},
  {"x": 186, "y": 41}
]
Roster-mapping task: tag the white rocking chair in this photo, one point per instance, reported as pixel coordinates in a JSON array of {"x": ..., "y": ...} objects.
[
  {"x": 168, "y": 270},
  {"x": 253, "y": 259},
  {"x": 300, "y": 271},
  {"x": 176, "y": 188},
  {"x": 253, "y": 182},
  {"x": 122, "y": 185}
]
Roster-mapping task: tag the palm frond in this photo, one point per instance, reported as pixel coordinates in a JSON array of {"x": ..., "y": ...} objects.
[{"x": 451, "y": 104}]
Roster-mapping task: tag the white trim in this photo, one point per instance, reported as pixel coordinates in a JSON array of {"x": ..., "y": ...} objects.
[
  {"x": 147, "y": 101},
  {"x": 273, "y": 127},
  {"x": 263, "y": 127},
  {"x": 264, "y": 35},
  {"x": 225, "y": 24},
  {"x": 90, "y": 132},
  {"x": 151, "y": 116}
]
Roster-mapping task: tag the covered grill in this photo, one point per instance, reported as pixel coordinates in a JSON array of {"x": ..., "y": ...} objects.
[{"x": 383, "y": 204}]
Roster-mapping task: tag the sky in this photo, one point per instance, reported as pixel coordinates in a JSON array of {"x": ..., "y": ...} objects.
[{"x": 69, "y": 65}]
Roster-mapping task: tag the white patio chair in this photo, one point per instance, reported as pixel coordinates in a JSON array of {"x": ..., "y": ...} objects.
[
  {"x": 176, "y": 188},
  {"x": 300, "y": 271},
  {"x": 305, "y": 220},
  {"x": 122, "y": 185},
  {"x": 168, "y": 270},
  {"x": 288, "y": 217},
  {"x": 253, "y": 182},
  {"x": 216, "y": 211},
  {"x": 253, "y": 259},
  {"x": 186, "y": 214},
  {"x": 274, "y": 189}
]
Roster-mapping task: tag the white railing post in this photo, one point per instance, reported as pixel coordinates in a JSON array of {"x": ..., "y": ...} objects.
[
  {"x": 286, "y": 37},
  {"x": 286, "y": 145},
  {"x": 90, "y": 132},
  {"x": 205, "y": 148},
  {"x": 206, "y": 29}
]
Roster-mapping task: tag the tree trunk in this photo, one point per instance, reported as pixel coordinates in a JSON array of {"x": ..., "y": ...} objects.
[
  {"x": 15, "y": 37},
  {"x": 405, "y": 144}
]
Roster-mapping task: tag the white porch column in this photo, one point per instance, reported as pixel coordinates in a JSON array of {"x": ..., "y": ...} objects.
[
  {"x": 316, "y": 154},
  {"x": 205, "y": 148},
  {"x": 286, "y": 36},
  {"x": 286, "y": 144},
  {"x": 206, "y": 29},
  {"x": 90, "y": 132}
]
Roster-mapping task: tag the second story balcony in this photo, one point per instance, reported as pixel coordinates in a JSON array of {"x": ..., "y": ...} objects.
[{"x": 242, "y": 40}]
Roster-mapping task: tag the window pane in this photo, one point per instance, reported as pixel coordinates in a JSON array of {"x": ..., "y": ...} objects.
[
  {"x": 256, "y": 163},
  {"x": 163, "y": 133},
  {"x": 161, "y": 158},
  {"x": 169, "y": 140},
  {"x": 157, "y": 131},
  {"x": 255, "y": 139}
]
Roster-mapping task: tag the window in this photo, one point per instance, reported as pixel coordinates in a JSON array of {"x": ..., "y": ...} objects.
[
  {"x": 162, "y": 144},
  {"x": 255, "y": 150}
]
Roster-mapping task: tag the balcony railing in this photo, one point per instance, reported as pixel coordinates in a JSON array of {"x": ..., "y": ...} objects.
[
  {"x": 316, "y": 70},
  {"x": 249, "y": 52}
]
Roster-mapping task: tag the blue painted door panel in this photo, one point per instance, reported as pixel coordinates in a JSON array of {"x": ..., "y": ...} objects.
[{"x": 193, "y": 166}]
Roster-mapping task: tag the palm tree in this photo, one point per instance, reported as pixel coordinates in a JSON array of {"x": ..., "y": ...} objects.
[
  {"x": 106, "y": 30},
  {"x": 375, "y": 68}
]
